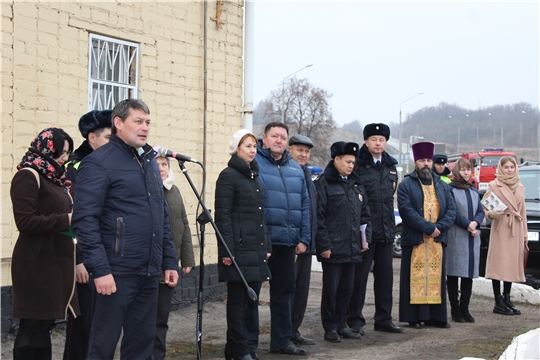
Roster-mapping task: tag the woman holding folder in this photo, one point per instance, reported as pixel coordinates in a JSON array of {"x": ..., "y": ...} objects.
[{"x": 508, "y": 238}]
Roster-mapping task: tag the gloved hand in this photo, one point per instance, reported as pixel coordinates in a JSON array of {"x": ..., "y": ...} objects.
[{"x": 495, "y": 214}]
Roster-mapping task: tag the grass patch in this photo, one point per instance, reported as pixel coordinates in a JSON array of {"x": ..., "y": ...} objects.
[
  {"x": 484, "y": 348},
  {"x": 188, "y": 350}
]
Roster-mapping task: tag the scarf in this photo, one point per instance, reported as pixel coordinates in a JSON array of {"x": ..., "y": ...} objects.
[
  {"x": 458, "y": 181},
  {"x": 512, "y": 181},
  {"x": 40, "y": 157}
]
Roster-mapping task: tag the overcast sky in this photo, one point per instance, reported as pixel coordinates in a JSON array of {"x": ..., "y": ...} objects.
[{"x": 374, "y": 55}]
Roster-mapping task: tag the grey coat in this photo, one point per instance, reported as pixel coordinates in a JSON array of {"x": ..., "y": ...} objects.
[{"x": 463, "y": 251}]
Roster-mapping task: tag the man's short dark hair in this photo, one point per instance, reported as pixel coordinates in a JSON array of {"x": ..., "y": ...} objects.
[
  {"x": 123, "y": 109},
  {"x": 276, "y": 124}
]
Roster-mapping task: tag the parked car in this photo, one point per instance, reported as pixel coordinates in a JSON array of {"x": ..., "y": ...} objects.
[
  {"x": 396, "y": 248},
  {"x": 530, "y": 178}
]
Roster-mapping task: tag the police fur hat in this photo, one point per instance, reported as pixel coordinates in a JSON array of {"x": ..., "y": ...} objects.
[
  {"x": 344, "y": 148},
  {"x": 300, "y": 140},
  {"x": 94, "y": 120},
  {"x": 376, "y": 129},
  {"x": 440, "y": 159}
]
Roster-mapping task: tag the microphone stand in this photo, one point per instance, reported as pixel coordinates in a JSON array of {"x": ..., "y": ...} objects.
[{"x": 203, "y": 219}]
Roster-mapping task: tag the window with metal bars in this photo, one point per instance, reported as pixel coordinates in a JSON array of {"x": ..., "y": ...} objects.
[{"x": 113, "y": 71}]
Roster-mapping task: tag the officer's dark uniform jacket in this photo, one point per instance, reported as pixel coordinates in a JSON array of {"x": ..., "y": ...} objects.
[
  {"x": 120, "y": 214},
  {"x": 342, "y": 206},
  {"x": 72, "y": 166},
  {"x": 380, "y": 183}
]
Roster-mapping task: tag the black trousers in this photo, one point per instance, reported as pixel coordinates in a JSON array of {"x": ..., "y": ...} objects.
[
  {"x": 133, "y": 309},
  {"x": 78, "y": 329},
  {"x": 282, "y": 284},
  {"x": 383, "y": 278},
  {"x": 165, "y": 296},
  {"x": 237, "y": 300},
  {"x": 338, "y": 281},
  {"x": 302, "y": 276}
]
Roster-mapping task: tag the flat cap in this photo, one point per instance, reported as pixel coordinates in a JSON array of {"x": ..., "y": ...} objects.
[
  {"x": 376, "y": 129},
  {"x": 344, "y": 148},
  {"x": 300, "y": 140}
]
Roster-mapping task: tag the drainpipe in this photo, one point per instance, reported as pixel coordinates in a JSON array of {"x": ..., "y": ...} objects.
[
  {"x": 249, "y": 41},
  {"x": 205, "y": 83}
]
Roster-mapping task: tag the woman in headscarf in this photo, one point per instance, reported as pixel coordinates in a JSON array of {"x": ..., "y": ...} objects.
[
  {"x": 508, "y": 238},
  {"x": 240, "y": 220},
  {"x": 184, "y": 251},
  {"x": 463, "y": 250},
  {"x": 43, "y": 261}
]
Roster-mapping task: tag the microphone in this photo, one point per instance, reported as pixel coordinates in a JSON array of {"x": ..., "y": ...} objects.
[{"x": 164, "y": 152}]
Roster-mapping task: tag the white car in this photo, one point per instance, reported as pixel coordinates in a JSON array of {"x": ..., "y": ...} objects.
[{"x": 396, "y": 248}]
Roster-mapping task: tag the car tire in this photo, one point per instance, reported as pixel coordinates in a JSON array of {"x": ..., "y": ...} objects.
[{"x": 396, "y": 245}]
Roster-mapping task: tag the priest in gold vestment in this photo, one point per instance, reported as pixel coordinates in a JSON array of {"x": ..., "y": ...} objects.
[{"x": 427, "y": 209}]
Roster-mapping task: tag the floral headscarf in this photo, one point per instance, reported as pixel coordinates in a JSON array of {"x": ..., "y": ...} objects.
[
  {"x": 40, "y": 157},
  {"x": 457, "y": 180}
]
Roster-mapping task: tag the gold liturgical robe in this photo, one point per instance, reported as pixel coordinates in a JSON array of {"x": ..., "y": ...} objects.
[{"x": 426, "y": 259}]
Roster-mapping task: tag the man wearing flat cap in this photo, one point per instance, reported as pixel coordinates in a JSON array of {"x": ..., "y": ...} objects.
[
  {"x": 95, "y": 128},
  {"x": 378, "y": 172},
  {"x": 342, "y": 209},
  {"x": 428, "y": 210},
  {"x": 439, "y": 167},
  {"x": 300, "y": 148}
]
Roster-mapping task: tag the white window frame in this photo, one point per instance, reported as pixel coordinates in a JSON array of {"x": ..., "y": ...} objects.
[{"x": 113, "y": 71}]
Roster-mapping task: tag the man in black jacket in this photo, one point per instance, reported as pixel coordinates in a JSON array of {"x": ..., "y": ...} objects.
[
  {"x": 95, "y": 127},
  {"x": 122, "y": 225},
  {"x": 342, "y": 212},
  {"x": 378, "y": 172},
  {"x": 300, "y": 148}
]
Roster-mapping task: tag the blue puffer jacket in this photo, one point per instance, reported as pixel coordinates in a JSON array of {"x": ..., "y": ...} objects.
[
  {"x": 411, "y": 210},
  {"x": 286, "y": 200},
  {"x": 120, "y": 215}
]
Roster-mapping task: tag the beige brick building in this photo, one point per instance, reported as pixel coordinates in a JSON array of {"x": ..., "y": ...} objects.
[{"x": 60, "y": 60}]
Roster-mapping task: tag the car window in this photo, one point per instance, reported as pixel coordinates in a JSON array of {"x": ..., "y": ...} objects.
[
  {"x": 531, "y": 182},
  {"x": 490, "y": 160}
]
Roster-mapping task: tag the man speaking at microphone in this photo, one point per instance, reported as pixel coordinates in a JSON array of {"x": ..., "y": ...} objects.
[{"x": 121, "y": 220}]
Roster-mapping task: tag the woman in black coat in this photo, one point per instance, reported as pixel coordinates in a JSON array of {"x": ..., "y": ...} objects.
[
  {"x": 240, "y": 220},
  {"x": 43, "y": 261}
]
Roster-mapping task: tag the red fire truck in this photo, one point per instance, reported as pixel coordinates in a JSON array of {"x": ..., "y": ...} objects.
[{"x": 484, "y": 165}]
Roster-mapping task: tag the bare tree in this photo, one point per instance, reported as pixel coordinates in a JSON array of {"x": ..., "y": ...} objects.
[{"x": 307, "y": 112}]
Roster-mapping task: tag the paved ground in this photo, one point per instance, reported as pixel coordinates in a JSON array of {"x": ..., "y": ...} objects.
[{"x": 487, "y": 338}]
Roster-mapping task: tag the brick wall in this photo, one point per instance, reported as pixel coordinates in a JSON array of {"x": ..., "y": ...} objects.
[{"x": 45, "y": 82}]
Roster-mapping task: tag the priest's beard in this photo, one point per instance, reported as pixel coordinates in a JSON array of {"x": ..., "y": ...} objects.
[{"x": 424, "y": 173}]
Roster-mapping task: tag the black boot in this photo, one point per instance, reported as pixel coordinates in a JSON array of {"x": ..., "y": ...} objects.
[
  {"x": 500, "y": 307},
  {"x": 466, "y": 291},
  {"x": 23, "y": 353},
  {"x": 465, "y": 312},
  {"x": 509, "y": 304},
  {"x": 455, "y": 311}
]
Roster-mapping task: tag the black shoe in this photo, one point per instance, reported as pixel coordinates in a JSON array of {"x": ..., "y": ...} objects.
[
  {"x": 436, "y": 323},
  {"x": 345, "y": 333},
  {"x": 509, "y": 304},
  {"x": 245, "y": 357},
  {"x": 290, "y": 350},
  {"x": 332, "y": 336},
  {"x": 300, "y": 340},
  {"x": 457, "y": 316},
  {"x": 359, "y": 329},
  {"x": 254, "y": 354},
  {"x": 390, "y": 327},
  {"x": 500, "y": 307},
  {"x": 415, "y": 324}
]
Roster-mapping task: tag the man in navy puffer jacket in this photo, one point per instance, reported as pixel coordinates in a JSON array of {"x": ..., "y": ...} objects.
[
  {"x": 286, "y": 210},
  {"x": 122, "y": 226}
]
